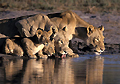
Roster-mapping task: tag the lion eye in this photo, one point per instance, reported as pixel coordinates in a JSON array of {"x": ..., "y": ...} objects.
[
  {"x": 97, "y": 40},
  {"x": 60, "y": 42},
  {"x": 46, "y": 44}
]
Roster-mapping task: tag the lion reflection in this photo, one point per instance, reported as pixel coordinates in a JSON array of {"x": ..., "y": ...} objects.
[
  {"x": 89, "y": 71},
  {"x": 53, "y": 71},
  {"x": 94, "y": 70}
]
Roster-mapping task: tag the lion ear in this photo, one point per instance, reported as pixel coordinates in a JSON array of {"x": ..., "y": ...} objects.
[
  {"x": 50, "y": 31},
  {"x": 65, "y": 28},
  {"x": 101, "y": 27},
  {"x": 90, "y": 29},
  {"x": 39, "y": 32},
  {"x": 52, "y": 40}
]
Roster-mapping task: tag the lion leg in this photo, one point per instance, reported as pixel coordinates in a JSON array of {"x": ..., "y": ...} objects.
[
  {"x": 30, "y": 54},
  {"x": 41, "y": 55},
  {"x": 70, "y": 52},
  {"x": 18, "y": 51},
  {"x": 28, "y": 47}
]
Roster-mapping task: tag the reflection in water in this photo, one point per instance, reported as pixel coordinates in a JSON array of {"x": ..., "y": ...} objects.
[
  {"x": 12, "y": 68},
  {"x": 94, "y": 70},
  {"x": 111, "y": 69},
  {"x": 63, "y": 72},
  {"x": 38, "y": 72},
  {"x": 52, "y": 71},
  {"x": 89, "y": 71}
]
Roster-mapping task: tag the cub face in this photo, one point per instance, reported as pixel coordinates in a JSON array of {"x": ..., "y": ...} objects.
[
  {"x": 49, "y": 48},
  {"x": 43, "y": 36}
]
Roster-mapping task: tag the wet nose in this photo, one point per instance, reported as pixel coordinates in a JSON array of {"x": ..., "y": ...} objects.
[{"x": 102, "y": 49}]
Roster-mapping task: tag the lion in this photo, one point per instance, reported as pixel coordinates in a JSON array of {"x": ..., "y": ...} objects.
[
  {"x": 78, "y": 28},
  {"x": 12, "y": 48},
  {"x": 27, "y": 27},
  {"x": 30, "y": 46},
  {"x": 34, "y": 45},
  {"x": 48, "y": 50},
  {"x": 61, "y": 43}
]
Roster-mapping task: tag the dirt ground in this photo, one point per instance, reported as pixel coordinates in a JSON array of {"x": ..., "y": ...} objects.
[{"x": 109, "y": 20}]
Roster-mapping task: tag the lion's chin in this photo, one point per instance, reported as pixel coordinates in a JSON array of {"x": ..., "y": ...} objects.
[{"x": 97, "y": 53}]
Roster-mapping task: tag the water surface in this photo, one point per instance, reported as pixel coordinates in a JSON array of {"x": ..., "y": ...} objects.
[{"x": 86, "y": 69}]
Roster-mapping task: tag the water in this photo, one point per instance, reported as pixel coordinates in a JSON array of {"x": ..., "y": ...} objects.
[{"x": 88, "y": 69}]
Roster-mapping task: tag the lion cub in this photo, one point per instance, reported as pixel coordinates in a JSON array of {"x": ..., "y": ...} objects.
[
  {"x": 48, "y": 50},
  {"x": 13, "y": 48},
  {"x": 35, "y": 45},
  {"x": 31, "y": 46}
]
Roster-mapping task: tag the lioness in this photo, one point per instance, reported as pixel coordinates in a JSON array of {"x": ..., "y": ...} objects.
[{"x": 78, "y": 28}]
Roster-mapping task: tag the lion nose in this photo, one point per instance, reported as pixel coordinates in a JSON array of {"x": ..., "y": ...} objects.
[{"x": 102, "y": 49}]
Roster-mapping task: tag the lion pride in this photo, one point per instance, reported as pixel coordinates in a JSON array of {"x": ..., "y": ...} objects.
[{"x": 78, "y": 28}]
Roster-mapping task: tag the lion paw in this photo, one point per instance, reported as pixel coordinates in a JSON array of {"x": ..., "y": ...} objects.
[
  {"x": 74, "y": 55},
  {"x": 43, "y": 56},
  {"x": 33, "y": 57}
]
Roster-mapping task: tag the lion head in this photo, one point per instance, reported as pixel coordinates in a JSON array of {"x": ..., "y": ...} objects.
[
  {"x": 49, "y": 48},
  {"x": 43, "y": 36},
  {"x": 95, "y": 39},
  {"x": 61, "y": 42},
  {"x": 92, "y": 36}
]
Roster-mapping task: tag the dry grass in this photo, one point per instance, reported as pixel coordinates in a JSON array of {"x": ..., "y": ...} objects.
[{"x": 85, "y": 5}]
